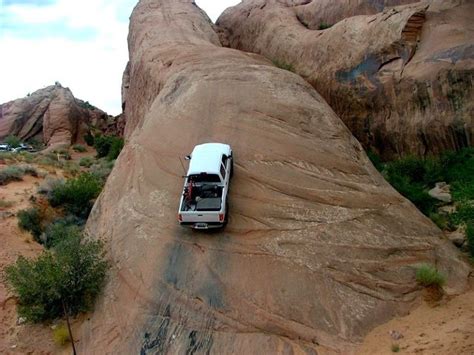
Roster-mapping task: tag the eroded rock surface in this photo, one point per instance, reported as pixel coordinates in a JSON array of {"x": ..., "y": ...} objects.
[
  {"x": 319, "y": 249},
  {"x": 400, "y": 79},
  {"x": 52, "y": 115}
]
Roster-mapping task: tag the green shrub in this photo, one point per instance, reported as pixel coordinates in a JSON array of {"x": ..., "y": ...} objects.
[
  {"x": 71, "y": 278},
  {"x": 108, "y": 146},
  {"x": 11, "y": 173},
  {"x": 375, "y": 159},
  {"x": 30, "y": 220},
  {"x": 470, "y": 237},
  {"x": 395, "y": 348},
  {"x": 323, "y": 26},
  {"x": 283, "y": 65},
  {"x": 102, "y": 169},
  {"x": 89, "y": 139},
  {"x": 441, "y": 220},
  {"x": 86, "y": 162},
  {"x": 79, "y": 148},
  {"x": 115, "y": 148},
  {"x": 13, "y": 141},
  {"x": 427, "y": 275},
  {"x": 464, "y": 213},
  {"x": 61, "y": 229},
  {"x": 77, "y": 194},
  {"x": 61, "y": 335},
  {"x": 6, "y": 203}
]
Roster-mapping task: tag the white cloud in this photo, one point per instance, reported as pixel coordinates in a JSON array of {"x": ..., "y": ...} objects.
[{"x": 90, "y": 66}]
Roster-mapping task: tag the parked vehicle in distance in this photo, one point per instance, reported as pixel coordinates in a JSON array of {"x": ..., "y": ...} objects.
[
  {"x": 203, "y": 203},
  {"x": 4, "y": 147}
]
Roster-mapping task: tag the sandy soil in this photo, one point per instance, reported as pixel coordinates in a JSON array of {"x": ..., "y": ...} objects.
[
  {"x": 22, "y": 338},
  {"x": 14, "y": 338},
  {"x": 444, "y": 329}
]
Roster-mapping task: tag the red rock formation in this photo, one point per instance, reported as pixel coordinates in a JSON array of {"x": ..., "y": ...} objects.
[
  {"x": 319, "y": 249},
  {"x": 401, "y": 80},
  {"x": 52, "y": 115}
]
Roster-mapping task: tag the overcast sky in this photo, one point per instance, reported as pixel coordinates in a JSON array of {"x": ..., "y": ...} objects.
[{"x": 81, "y": 44}]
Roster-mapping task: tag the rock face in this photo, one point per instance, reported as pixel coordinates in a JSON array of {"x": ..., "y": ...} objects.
[
  {"x": 319, "y": 249},
  {"x": 400, "y": 79},
  {"x": 51, "y": 115}
]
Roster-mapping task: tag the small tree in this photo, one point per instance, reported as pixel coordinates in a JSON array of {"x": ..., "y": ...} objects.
[
  {"x": 13, "y": 141},
  {"x": 60, "y": 283}
]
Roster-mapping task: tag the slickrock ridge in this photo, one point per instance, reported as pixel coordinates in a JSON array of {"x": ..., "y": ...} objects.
[
  {"x": 319, "y": 249},
  {"x": 401, "y": 79},
  {"x": 52, "y": 115}
]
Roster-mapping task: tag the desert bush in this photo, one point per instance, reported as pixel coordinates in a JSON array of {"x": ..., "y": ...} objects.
[
  {"x": 58, "y": 231},
  {"x": 108, "y": 146},
  {"x": 11, "y": 173},
  {"x": 375, "y": 159},
  {"x": 31, "y": 220},
  {"x": 48, "y": 185},
  {"x": 470, "y": 237},
  {"x": 428, "y": 275},
  {"x": 441, "y": 220},
  {"x": 323, "y": 26},
  {"x": 5, "y": 203},
  {"x": 61, "y": 335},
  {"x": 102, "y": 169},
  {"x": 395, "y": 348},
  {"x": 13, "y": 141},
  {"x": 86, "y": 162},
  {"x": 283, "y": 65},
  {"x": 79, "y": 148},
  {"x": 71, "y": 168},
  {"x": 76, "y": 194},
  {"x": 67, "y": 280},
  {"x": 89, "y": 139}
]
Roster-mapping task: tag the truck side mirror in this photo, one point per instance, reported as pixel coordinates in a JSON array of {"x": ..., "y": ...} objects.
[{"x": 187, "y": 157}]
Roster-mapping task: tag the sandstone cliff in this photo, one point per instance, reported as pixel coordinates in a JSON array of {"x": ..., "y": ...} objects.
[
  {"x": 400, "y": 79},
  {"x": 319, "y": 248},
  {"x": 53, "y": 116}
]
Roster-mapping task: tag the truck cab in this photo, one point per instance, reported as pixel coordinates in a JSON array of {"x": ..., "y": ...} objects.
[{"x": 203, "y": 203}]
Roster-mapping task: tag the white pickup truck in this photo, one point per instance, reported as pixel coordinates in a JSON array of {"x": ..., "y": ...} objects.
[{"x": 203, "y": 203}]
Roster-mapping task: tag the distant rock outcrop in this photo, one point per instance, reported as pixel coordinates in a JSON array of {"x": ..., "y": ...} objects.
[
  {"x": 319, "y": 249},
  {"x": 53, "y": 116},
  {"x": 401, "y": 79}
]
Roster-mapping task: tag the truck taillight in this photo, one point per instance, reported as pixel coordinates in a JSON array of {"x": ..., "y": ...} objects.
[
  {"x": 221, "y": 217},
  {"x": 180, "y": 217}
]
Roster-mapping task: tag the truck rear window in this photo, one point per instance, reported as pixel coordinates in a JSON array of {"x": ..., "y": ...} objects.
[{"x": 204, "y": 178}]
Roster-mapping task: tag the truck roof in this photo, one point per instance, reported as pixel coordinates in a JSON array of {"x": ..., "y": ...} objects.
[{"x": 206, "y": 158}]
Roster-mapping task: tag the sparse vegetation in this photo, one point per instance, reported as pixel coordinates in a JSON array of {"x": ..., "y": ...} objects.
[
  {"x": 108, "y": 146},
  {"x": 395, "y": 348},
  {"x": 5, "y": 203},
  {"x": 13, "y": 141},
  {"x": 86, "y": 162},
  {"x": 323, "y": 26},
  {"x": 31, "y": 220},
  {"x": 283, "y": 65},
  {"x": 79, "y": 148},
  {"x": 16, "y": 173},
  {"x": 63, "y": 282},
  {"x": 60, "y": 230},
  {"x": 61, "y": 335},
  {"x": 89, "y": 139},
  {"x": 76, "y": 194},
  {"x": 428, "y": 275},
  {"x": 413, "y": 177}
]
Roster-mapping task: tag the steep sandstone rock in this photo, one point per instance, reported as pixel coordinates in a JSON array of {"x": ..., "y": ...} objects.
[
  {"x": 319, "y": 249},
  {"x": 401, "y": 80},
  {"x": 52, "y": 115}
]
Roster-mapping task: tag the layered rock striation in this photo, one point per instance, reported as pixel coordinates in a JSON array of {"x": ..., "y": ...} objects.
[
  {"x": 53, "y": 116},
  {"x": 400, "y": 79},
  {"x": 319, "y": 249}
]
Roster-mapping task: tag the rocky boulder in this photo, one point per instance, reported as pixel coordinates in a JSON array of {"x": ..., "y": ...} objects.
[
  {"x": 53, "y": 116},
  {"x": 401, "y": 79},
  {"x": 319, "y": 249}
]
